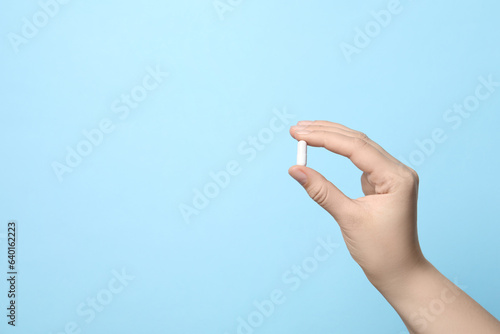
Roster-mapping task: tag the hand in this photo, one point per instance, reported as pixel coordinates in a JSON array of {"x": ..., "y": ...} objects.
[{"x": 379, "y": 229}]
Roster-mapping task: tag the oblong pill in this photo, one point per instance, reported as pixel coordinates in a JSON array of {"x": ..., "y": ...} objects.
[{"x": 302, "y": 153}]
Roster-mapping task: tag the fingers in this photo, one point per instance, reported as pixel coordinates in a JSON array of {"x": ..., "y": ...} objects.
[
  {"x": 322, "y": 191},
  {"x": 347, "y": 131},
  {"x": 341, "y": 140}
]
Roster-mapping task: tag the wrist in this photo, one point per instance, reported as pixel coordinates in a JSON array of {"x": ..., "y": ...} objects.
[
  {"x": 414, "y": 289},
  {"x": 404, "y": 279}
]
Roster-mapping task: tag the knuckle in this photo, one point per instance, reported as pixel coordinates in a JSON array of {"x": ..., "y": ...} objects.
[
  {"x": 415, "y": 175},
  {"x": 363, "y": 136},
  {"x": 409, "y": 174},
  {"x": 319, "y": 194},
  {"x": 360, "y": 143}
]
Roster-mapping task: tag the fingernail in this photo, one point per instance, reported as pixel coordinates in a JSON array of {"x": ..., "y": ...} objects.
[
  {"x": 301, "y": 130},
  {"x": 299, "y": 176}
]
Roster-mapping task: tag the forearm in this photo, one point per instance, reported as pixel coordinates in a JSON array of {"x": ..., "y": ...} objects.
[{"x": 429, "y": 303}]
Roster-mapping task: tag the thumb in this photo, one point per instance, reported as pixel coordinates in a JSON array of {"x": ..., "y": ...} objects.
[{"x": 322, "y": 191}]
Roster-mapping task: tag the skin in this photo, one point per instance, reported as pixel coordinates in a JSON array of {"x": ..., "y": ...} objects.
[{"x": 380, "y": 231}]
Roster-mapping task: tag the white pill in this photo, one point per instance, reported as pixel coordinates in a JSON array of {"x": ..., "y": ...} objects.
[{"x": 302, "y": 153}]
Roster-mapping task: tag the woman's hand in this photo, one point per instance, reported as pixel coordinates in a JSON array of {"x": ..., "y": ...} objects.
[{"x": 380, "y": 229}]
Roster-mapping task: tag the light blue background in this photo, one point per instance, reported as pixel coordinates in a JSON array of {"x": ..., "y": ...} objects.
[{"x": 120, "y": 207}]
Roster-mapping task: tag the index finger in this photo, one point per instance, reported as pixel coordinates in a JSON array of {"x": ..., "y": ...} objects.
[
  {"x": 363, "y": 155},
  {"x": 337, "y": 127}
]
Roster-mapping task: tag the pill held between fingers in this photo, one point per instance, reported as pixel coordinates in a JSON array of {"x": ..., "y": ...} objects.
[{"x": 302, "y": 153}]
